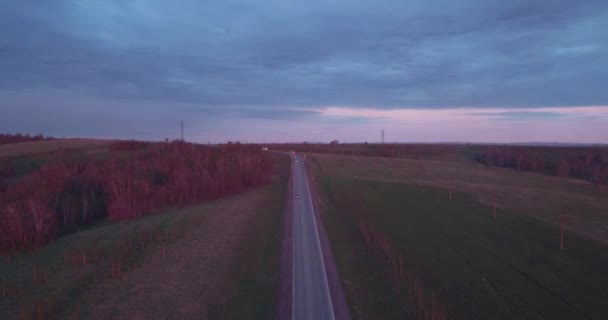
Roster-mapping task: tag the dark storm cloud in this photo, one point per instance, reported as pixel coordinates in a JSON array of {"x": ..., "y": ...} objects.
[{"x": 231, "y": 55}]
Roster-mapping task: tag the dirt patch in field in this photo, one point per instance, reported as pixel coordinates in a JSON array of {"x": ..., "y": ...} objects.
[{"x": 192, "y": 277}]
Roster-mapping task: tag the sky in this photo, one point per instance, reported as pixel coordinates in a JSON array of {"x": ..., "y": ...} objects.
[{"x": 293, "y": 71}]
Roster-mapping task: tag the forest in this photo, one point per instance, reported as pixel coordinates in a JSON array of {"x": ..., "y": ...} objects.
[
  {"x": 588, "y": 163},
  {"x": 60, "y": 197},
  {"x": 6, "y": 138}
]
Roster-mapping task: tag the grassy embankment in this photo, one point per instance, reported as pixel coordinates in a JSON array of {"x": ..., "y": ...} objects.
[{"x": 258, "y": 274}]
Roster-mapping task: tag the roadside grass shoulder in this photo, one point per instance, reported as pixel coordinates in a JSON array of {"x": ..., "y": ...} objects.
[
  {"x": 255, "y": 295},
  {"x": 368, "y": 291}
]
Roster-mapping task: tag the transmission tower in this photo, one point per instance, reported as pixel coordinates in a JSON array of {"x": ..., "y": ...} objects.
[
  {"x": 182, "y": 131},
  {"x": 382, "y": 135}
]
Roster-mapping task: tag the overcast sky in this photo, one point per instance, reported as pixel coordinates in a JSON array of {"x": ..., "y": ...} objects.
[{"x": 287, "y": 70}]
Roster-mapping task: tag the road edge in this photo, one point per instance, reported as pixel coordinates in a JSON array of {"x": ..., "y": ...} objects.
[
  {"x": 284, "y": 294},
  {"x": 338, "y": 299}
]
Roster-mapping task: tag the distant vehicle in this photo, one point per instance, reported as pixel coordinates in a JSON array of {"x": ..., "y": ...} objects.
[
  {"x": 292, "y": 152},
  {"x": 297, "y": 196},
  {"x": 264, "y": 148}
]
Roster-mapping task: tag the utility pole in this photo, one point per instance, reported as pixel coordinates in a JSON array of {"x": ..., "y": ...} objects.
[
  {"x": 182, "y": 131},
  {"x": 382, "y": 135}
]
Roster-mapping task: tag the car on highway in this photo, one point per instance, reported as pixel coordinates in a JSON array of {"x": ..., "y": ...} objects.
[{"x": 297, "y": 196}]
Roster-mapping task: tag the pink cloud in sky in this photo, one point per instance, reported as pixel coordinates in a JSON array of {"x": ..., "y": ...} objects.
[{"x": 567, "y": 124}]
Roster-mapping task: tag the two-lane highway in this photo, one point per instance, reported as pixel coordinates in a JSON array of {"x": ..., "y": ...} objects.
[{"x": 311, "y": 299}]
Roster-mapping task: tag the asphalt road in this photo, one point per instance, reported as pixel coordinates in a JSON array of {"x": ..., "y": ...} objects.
[{"x": 310, "y": 290}]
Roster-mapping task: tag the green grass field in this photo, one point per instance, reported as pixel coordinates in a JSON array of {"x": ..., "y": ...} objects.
[
  {"x": 508, "y": 268},
  {"x": 368, "y": 290},
  {"x": 541, "y": 196}
]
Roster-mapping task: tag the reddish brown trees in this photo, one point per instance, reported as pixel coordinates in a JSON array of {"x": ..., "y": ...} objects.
[
  {"x": 562, "y": 169},
  {"x": 60, "y": 197},
  {"x": 6, "y": 138},
  {"x": 589, "y": 163}
]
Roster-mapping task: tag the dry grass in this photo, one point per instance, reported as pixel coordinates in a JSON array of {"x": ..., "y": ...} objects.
[
  {"x": 541, "y": 196},
  {"x": 198, "y": 247},
  {"x": 192, "y": 275},
  {"x": 34, "y": 147}
]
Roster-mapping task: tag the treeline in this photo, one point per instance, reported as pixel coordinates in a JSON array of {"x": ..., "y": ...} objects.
[
  {"x": 589, "y": 163},
  {"x": 60, "y": 197},
  {"x": 128, "y": 145},
  {"x": 6, "y": 138},
  {"x": 396, "y": 150}
]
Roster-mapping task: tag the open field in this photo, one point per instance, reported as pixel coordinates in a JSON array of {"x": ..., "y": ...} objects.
[
  {"x": 475, "y": 267},
  {"x": 440, "y": 152},
  {"x": 541, "y": 196},
  {"x": 219, "y": 258},
  {"x": 589, "y": 163},
  {"x": 26, "y": 157},
  {"x": 36, "y": 147}
]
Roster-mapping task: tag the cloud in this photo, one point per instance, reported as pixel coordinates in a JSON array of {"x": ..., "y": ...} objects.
[
  {"x": 280, "y": 114},
  {"x": 571, "y": 114},
  {"x": 274, "y": 59},
  {"x": 522, "y": 115}
]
